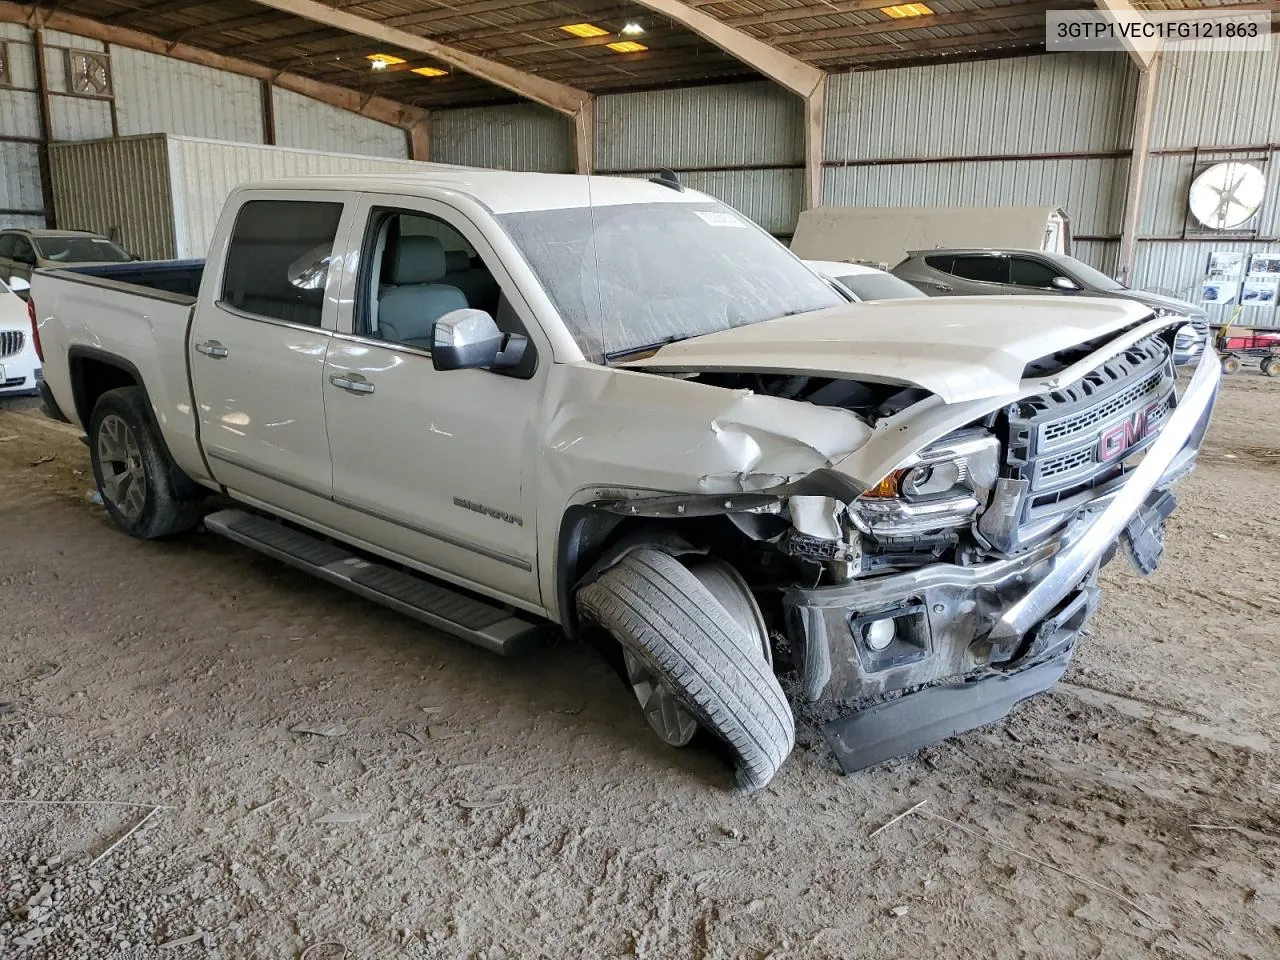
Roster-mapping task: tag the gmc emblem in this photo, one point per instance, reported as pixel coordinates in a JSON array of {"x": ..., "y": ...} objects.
[{"x": 1127, "y": 434}]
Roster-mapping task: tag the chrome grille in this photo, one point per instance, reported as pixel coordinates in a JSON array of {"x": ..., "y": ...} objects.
[
  {"x": 1067, "y": 444},
  {"x": 11, "y": 342}
]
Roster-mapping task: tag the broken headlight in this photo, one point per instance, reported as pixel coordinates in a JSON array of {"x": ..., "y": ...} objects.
[{"x": 945, "y": 485}]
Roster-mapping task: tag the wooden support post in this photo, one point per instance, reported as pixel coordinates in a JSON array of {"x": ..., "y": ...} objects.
[
  {"x": 268, "y": 114},
  {"x": 420, "y": 140},
  {"x": 815, "y": 124},
  {"x": 46, "y": 128},
  {"x": 584, "y": 136}
]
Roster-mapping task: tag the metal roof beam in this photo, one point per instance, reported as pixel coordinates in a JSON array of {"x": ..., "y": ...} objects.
[
  {"x": 558, "y": 96},
  {"x": 782, "y": 68},
  {"x": 1122, "y": 12},
  {"x": 375, "y": 108}
]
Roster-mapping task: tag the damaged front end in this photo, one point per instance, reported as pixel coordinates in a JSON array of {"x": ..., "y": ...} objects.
[{"x": 933, "y": 599}]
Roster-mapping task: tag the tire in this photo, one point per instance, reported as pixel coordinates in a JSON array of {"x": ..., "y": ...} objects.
[
  {"x": 124, "y": 449},
  {"x": 1230, "y": 364},
  {"x": 1270, "y": 366},
  {"x": 663, "y": 616}
]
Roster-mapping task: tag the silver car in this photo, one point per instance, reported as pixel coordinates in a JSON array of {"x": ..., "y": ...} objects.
[
  {"x": 982, "y": 272},
  {"x": 22, "y": 251}
]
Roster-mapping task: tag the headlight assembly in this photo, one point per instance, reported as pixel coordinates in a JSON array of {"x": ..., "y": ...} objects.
[{"x": 945, "y": 485}]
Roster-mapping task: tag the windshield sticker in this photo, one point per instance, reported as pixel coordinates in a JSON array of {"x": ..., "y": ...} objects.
[{"x": 718, "y": 218}]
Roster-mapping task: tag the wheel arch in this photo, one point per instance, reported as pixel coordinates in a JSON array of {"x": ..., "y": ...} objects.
[{"x": 93, "y": 373}]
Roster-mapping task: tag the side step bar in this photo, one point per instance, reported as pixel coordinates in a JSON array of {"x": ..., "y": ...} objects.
[{"x": 496, "y": 628}]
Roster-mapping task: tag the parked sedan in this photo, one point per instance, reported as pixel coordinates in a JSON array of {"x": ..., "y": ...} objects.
[
  {"x": 980, "y": 272},
  {"x": 864, "y": 283},
  {"x": 22, "y": 251},
  {"x": 19, "y": 365}
]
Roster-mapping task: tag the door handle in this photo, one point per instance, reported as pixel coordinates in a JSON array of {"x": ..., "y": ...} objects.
[
  {"x": 352, "y": 384},
  {"x": 213, "y": 349},
  {"x": 942, "y": 287}
]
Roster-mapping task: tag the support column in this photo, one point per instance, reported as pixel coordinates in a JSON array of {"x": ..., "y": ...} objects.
[
  {"x": 420, "y": 140},
  {"x": 46, "y": 127},
  {"x": 815, "y": 124},
  {"x": 1143, "y": 121},
  {"x": 584, "y": 136},
  {"x": 268, "y": 113}
]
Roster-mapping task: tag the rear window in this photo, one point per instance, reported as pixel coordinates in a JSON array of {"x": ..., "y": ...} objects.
[
  {"x": 879, "y": 286},
  {"x": 278, "y": 259},
  {"x": 81, "y": 250},
  {"x": 984, "y": 269}
]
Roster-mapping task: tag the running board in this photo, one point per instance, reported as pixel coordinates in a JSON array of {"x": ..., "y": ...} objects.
[{"x": 450, "y": 611}]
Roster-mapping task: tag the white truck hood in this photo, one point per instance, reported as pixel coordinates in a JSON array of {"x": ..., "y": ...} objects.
[{"x": 960, "y": 348}]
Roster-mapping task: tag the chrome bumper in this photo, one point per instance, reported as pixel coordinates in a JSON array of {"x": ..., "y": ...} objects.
[
  {"x": 957, "y": 620},
  {"x": 1171, "y": 455}
]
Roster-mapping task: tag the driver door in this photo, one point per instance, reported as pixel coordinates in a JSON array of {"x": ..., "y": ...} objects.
[{"x": 438, "y": 466}]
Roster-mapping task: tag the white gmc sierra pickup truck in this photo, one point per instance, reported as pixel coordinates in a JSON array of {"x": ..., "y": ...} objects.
[{"x": 499, "y": 402}]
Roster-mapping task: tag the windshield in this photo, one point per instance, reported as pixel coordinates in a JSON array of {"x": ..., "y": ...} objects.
[
  {"x": 1089, "y": 277},
  {"x": 626, "y": 276},
  {"x": 879, "y": 286},
  {"x": 79, "y": 250}
]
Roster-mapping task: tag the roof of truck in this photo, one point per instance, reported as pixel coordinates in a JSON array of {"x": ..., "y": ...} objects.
[{"x": 500, "y": 190}]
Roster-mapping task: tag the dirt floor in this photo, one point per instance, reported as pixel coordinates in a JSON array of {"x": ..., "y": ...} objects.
[{"x": 312, "y": 772}]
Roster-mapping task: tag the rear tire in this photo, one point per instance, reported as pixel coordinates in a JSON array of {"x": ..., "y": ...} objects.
[
  {"x": 137, "y": 479},
  {"x": 1270, "y": 366},
  {"x": 1230, "y": 364},
  {"x": 669, "y": 622}
]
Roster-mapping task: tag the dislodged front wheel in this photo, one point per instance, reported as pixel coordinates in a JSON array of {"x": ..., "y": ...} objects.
[
  {"x": 124, "y": 478},
  {"x": 691, "y": 662}
]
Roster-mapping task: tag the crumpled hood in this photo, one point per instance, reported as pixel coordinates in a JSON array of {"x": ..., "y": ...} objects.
[{"x": 961, "y": 348}]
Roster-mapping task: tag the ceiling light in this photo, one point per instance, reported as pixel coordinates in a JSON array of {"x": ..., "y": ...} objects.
[
  {"x": 632, "y": 30},
  {"x": 380, "y": 61},
  {"x": 584, "y": 30},
  {"x": 903, "y": 10},
  {"x": 626, "y": 46},
  {"x": 429, "y": 72}
]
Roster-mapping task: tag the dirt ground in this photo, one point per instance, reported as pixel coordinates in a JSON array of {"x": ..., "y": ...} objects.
[{"x": 450, "y": 804}]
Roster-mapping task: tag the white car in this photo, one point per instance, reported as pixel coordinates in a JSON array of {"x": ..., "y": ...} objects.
[
  {"x": 19, "y": 365},
  {"x": 865, "y": 283},
  {"x": 510, "y": 403}
]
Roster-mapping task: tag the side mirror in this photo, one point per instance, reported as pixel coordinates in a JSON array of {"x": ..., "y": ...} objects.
[
  {"x": 468, "y": 339},
  {"x": 1065, "y": 283}
]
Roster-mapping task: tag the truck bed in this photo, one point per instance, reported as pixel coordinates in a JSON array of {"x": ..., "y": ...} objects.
[{"x": 180, "y": 279}]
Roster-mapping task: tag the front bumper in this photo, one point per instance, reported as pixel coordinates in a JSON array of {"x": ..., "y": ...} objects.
[{"x": 990, "y": 620}]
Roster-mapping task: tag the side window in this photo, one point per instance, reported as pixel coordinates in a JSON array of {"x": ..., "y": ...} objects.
[
  {"x": 278, "y": 259},
  {"x": 23, "y": 252},
  {"x": 418, "y": 268},
  {"x": 985, "y": 269},
  {"x": 940, "y": 262},
  {"x": 6, "y": 245},
  {"x": 1026, "y": 272}
]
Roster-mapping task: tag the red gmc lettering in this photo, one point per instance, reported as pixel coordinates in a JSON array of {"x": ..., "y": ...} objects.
[{"x": 1126, "y": 434}]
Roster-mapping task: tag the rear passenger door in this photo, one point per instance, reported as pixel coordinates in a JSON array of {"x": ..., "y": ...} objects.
[
  {"x": 980, "y": 274},
  {"x": 258, "y": 342}
]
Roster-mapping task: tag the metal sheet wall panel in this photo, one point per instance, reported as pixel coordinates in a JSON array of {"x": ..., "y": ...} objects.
[
  {"x": 55, "y": 67},
  {"x": 1178, "y": 268},
  {"x": 79, "y": 118},
  {"x": 1100, "y": 254},
  {"x": 156, "y": 94},
  {"x": 1054, "y": 103},
  {"x": 740, "y": 124},
  {"x": 14, "y": 31},
  {"x": 204, "y": 172},
  {"x": 522, "y": 136},
  {"x": 20, "y": 182},
  {"x": 771, "y": 198},
  {"x": 19, "y": 114},
  {"x": 56, "y": 38},
  {"x": 1218, "y": 99},
  {"x": 1090, "y": 190},
  {"x": 312, "y": 125},
  {"x": 116, "y": 183}
]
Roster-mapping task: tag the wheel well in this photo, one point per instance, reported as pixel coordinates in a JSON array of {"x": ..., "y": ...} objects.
[{"x": 92, "y": 376}]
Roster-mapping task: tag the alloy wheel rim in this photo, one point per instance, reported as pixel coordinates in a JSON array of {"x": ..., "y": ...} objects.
[
  {"x": 662, "y": 711},
  {"x": 124, "y": 478}
]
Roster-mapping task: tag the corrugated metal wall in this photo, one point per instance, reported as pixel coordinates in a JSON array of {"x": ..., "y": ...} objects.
[
  {"x": 157, "y": 94},
  {"x": 312, "y": 125},
  {"x": 1209, "y": 102},
  {"x": 523, "y": 136},
  {"x": 20, "y": 121},
  {"x": 1043, "y": 130}
]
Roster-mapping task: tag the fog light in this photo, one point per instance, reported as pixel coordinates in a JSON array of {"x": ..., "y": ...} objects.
[{"x": 879, "y": 633}]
